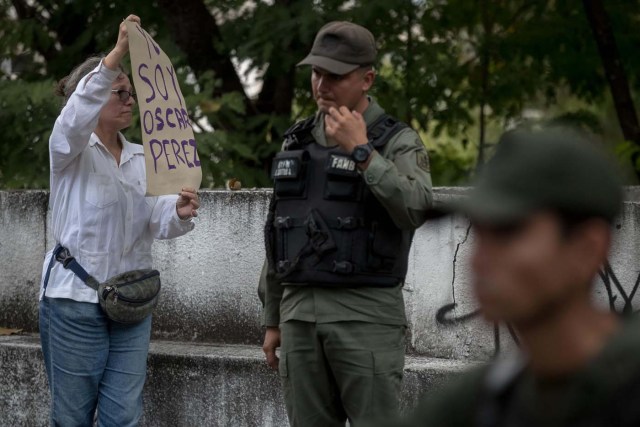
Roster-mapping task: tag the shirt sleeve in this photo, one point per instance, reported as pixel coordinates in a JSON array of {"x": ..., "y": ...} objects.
[
  {"x": 165, "y": 222},
  {"x": 401, "y": 181},
  {"x": 79, "y": 117},
  {"x": 270, "y": 293}
]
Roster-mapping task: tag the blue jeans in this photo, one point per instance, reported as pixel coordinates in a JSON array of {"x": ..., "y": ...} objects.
[{"x": 92, "y": 363}]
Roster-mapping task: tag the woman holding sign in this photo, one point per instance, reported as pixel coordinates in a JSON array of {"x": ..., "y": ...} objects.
[{"x": 101, "y": 216}]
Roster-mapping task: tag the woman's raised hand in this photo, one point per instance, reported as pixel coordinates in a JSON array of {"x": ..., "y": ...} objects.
[{"x": 114, "y": 57}]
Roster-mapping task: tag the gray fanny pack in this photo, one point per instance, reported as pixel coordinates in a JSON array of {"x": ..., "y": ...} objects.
[{"x": 129, "y": 297}]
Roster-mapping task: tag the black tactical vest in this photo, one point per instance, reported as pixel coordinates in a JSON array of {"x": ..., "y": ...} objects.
[{"x": 325, "y": 227}]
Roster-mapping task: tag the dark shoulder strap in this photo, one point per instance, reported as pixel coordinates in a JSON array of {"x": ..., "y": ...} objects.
[
  {"x": 299, "y": 134},
  {"x": 383, "y": 129}
]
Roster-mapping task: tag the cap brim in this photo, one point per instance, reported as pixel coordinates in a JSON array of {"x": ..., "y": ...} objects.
[
  {"x": 492, "y": 208},
  {"x": 331, "y": 65}
]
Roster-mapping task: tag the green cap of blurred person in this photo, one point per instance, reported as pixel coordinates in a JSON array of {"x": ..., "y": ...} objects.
[
  {"x": 542, "y": 212},
  {"x": 555, "y": 169}
]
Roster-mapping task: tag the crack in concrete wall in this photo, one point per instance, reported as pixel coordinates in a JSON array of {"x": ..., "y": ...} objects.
[{"x": 455, "y": 260}]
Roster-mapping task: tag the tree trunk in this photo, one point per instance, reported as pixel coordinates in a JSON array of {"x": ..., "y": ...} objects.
[
  {"x": 614, "y": 72},
  {"x": 195, "y": 32},
  {"x": 408, "y": 118},
  {"x": 485, "y": 60}
]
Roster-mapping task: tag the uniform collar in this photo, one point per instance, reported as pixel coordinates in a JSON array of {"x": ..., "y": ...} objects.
[
  {"x": 128, "y": 149},
  {"x": 373, "y": 111}
]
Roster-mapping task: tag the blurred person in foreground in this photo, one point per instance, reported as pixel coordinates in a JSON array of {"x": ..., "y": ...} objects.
[
  {"x": 542, "y": 214},
  {"x": 99, "y": 212}
]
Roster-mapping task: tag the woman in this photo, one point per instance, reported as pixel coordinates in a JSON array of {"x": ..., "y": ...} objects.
[{"x": 100, "y": 213}]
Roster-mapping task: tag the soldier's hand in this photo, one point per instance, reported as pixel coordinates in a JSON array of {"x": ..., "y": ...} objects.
[
  {"x": 347, "y": 128},
  {"x": 271, "y": 342}
]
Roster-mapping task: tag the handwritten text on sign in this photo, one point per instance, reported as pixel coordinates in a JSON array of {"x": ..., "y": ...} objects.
[{"x": 171, "y": 154}]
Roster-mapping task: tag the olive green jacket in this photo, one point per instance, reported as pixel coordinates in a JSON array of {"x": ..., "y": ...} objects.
[
  {"x": 604, "y": 393},
  {"x": 401, "y": 181}
]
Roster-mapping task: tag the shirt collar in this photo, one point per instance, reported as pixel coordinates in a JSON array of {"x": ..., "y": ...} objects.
[{"x": 128, "y": 149}]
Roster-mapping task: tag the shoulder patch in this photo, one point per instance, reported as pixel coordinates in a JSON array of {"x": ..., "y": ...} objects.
[{"x": 422, "y": 158}]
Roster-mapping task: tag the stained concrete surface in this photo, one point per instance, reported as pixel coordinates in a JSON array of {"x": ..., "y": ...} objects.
[
  {"x": 190, "y": 384},
  {"x": 210, "y": 276},
  {"x": 209, "y": 296},
  {"x": 22, "y": 231}
]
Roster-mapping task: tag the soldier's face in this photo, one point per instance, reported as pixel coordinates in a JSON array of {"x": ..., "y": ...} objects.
[
  {"x": 529, "y": 271},
  {"x": 333, "y": 90}
]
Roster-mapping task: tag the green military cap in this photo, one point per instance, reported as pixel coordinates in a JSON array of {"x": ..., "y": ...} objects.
[
  {"x": 552, "y": 169},
  {"x": 340, "y": 47}
]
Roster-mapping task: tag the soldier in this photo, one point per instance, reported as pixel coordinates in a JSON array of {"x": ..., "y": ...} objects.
[
  {"x": 351, "y": 186},
  {"x": 542, "y": 213}
]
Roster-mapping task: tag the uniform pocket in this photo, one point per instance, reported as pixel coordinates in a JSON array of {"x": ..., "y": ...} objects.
[
  {"x": 387, "y": 380},
  {"x": 389, "y": 361},
  {"x": 343, "y": 181},
  {"x": 101, "y": 190},
  {"x": 289, "y": 174},
  {"x": 283, "y": 369}
]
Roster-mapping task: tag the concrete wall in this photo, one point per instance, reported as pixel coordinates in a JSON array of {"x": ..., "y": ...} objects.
[
  {"x": 189, "y": 385},
  {"x": 205, "y": 363},
  {"x": 210, "y": 276},
  {"x": 22, "y": 247}
]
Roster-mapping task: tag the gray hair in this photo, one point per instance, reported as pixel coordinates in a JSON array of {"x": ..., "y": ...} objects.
[{"x": 67, "y": 85}]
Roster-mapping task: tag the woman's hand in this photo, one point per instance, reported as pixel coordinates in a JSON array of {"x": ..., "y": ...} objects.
[
  {"x": 187, "y": 204},
  {"x": 113, "y": 59}
]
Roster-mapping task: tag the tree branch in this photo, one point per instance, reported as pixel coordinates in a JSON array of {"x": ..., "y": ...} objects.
[{"x": 614, "y": 72}]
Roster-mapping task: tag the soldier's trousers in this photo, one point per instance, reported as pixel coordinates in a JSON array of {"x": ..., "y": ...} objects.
[{"x": 334, "y": 371}]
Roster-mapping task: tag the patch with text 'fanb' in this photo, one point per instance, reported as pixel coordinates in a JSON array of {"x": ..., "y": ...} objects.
[{"x": 342, "y": 163}]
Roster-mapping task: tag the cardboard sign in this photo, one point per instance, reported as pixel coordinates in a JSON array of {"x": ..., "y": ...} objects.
[{"x": 171, "y": 155}]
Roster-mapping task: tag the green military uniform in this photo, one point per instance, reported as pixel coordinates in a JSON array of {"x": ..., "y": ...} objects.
[
  {"x": 605, "y": 393},
  {"x": 343, "y": 347}
]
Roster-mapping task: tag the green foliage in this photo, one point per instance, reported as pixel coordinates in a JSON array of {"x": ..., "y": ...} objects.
[
  {"x": 441, "y": 64},
  {"x": 629, "y": 155},
  {"x": 451, "y": 163},
  {"x": 25, "y": 112}
]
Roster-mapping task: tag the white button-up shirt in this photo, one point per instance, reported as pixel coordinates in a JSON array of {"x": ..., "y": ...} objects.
[{"x": 98, "y": 208}]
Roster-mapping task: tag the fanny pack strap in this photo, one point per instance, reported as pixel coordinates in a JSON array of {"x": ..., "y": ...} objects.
[{"x": 64, "y": 257}]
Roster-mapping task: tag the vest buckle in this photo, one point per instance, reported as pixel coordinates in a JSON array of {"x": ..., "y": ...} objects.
[
  {"x": 348, "y": 223},
  {"x": 283, "y": 222},
  {"x": 283, "y": 266},
  {"x": 343, "y": 267}
]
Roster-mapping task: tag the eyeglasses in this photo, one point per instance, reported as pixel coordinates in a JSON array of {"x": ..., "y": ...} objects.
[{"x": 124, "y": 95}]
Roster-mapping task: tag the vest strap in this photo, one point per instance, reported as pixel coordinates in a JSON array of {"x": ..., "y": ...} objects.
[{"x": 346, "y": 223}]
